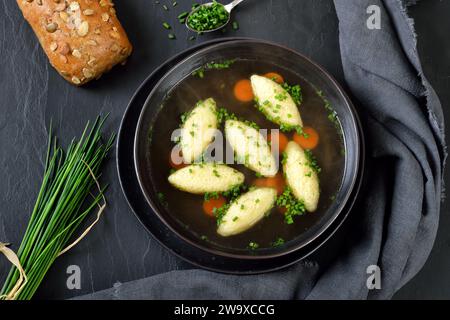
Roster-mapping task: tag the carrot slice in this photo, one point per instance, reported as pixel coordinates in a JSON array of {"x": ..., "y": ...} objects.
[
  {"x": 275, "y": 76},
  {"x": 260, "y": 182},
  {"x": 243, "y": 90},
  {"x": 310, "y": 141},
  {"x": 282, "y": 140},
  {"x": 209, "y": 205},
  {"x": 276, "y": 182}
]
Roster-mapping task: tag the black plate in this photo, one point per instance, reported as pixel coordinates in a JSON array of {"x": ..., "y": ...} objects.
[
  {"x": 186, "y": 251},
  {"x": 262, "y": 52}
]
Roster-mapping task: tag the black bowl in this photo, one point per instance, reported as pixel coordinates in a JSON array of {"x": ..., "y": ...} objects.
[
  {"x": 184, "y": 250},
  {"x": 281, "y": 57}
]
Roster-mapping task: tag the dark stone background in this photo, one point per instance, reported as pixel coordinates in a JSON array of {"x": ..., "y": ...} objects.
[{"x": 119, "y": 249}]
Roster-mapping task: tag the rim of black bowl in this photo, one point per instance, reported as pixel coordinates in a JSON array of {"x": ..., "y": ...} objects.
[{"x": 356, "y": 150}]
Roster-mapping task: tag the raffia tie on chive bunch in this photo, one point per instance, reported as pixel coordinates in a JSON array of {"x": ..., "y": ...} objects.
[{"x": 59, "y": 210}]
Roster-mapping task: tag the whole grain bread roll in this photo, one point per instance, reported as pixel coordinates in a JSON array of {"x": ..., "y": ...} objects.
[{"x": 82, "y": 38}]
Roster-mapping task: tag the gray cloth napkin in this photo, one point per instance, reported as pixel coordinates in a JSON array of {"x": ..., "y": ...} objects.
[{"x": 396, "y": 222}]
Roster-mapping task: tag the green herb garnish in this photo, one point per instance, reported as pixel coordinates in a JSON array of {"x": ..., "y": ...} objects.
[
  {"x": 225, "y": 64},
  {"x": 162, "y": 198},
  {"x": 332, "y": 116},
  {"x": 223, "y": 114},
  {"x": 235, "y": 191},
  {"x": 182, "y": 17},
  {"x": 219, "y": 213},
  {"x": 184, "y": 116},
  {"x": 294, "y": 91},
  {"x": 253, "y": 245},
  {"x": 209, "y": 17},
  {"x": 281, "y": 97},
  {"x": 199, "y": 73},
  {"x": 312, "y": 161},
  {"x": 293, "y": 206},
  {"x": 278, "y": 242},
  {"x": 211, "y": 195}
]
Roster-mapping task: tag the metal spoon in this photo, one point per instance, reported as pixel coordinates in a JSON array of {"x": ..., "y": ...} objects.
[{"x": 229, "y": 7}]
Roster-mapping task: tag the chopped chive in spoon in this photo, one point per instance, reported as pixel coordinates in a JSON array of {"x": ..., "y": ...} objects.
[
  {"x": 166, "y": 25},
  {"x": 208, "y": 17}
]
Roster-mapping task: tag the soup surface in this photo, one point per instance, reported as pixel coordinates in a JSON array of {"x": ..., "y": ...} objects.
[{"x": 227, "y": 87}]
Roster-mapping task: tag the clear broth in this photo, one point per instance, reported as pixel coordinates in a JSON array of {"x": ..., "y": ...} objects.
[{"x": 187, "y": 208}]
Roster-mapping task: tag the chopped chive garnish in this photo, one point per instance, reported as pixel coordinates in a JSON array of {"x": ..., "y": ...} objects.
[
  {"x": 165, "y": 8},
  {"x": 174, "y": 4},
  {"x": 171, "y": 36},
  {"x": 191, "y": 38},
  {"x": 253, "y": 245},
  {"x": 235, "y": 25},
  {"x": 166, "y": 25},
  {"x": 183, "y": 15},
  {"x": 278, "y": 242}
]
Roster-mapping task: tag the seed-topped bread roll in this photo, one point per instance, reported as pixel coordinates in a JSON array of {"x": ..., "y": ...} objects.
[{"x": 82, "y": 38}]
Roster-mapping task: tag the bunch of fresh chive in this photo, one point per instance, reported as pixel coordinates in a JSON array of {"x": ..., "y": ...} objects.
[{"x": 60, "y": 207}]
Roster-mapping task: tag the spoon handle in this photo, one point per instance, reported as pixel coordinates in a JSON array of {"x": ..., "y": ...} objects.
[{"x": 232, "y": 4}]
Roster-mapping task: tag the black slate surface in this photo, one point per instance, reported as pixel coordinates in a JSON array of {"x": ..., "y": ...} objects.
[{"x": 31, "y": 93}]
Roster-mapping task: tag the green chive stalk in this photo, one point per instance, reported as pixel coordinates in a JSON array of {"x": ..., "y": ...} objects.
[{"x": 61, "y": 206}]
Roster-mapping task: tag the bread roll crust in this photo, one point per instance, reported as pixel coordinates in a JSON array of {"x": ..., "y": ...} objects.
[{"x": 82, "y": 38}]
